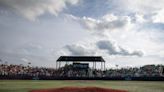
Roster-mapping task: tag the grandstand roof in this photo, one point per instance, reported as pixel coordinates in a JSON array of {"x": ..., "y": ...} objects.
[{"x": 80, "y": 58}]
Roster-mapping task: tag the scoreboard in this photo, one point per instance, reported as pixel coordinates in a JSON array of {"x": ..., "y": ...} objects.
[{"x": 80, "y": 65}]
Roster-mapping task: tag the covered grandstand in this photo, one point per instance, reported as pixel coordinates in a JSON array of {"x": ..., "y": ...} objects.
[{"x": 80, "y": 65}]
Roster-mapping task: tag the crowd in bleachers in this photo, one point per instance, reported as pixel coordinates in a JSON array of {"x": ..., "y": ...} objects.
[
  {"x": 144, "y": 71},
  {"x": 68, "y": 71},
  {"x": 25, "y": 70}
]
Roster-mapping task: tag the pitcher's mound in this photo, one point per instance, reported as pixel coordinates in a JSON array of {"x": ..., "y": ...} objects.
[{"x": 77, "y": 89}]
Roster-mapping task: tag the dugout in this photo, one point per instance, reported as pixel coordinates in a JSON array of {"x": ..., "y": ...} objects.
[{"x": 82, "y": 62}]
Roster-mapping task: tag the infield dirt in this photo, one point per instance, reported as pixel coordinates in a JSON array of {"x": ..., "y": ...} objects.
[{"x": 78, "y": 89}]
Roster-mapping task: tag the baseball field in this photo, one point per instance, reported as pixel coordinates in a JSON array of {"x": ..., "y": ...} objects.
[{"x": 130, "y": 86}]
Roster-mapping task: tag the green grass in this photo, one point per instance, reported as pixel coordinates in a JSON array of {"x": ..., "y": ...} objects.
[{"x": 131, "y": 86}]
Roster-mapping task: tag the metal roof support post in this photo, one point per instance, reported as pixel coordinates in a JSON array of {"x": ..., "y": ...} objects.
[
  {"x": 95, "y": 65},
  {"x": 59, "y": 64},
  {"x": 101, "y": 66},
  {"x": 66, "y": 63},
  {"x": 101, "y": 70},
  {"x": 56, "y": 65},
  {"x": 104, "y": 66}
]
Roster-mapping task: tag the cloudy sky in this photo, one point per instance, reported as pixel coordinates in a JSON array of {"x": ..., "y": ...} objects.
[{"x": 123, "y": 32}]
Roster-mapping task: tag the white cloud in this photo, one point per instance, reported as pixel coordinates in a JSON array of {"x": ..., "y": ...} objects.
[
  {"x": 34, "y": 8},
  {"x": 98, "y": 47},
  {"x": 139, "y": 18},
  {"x": 106, "y": 22},
  {"x": 25, "y": 60},
  {"x": 140, "y": 6},
  {"x": 152, "y": 9},
  {"x": 158, "y": 18},
  {"x": 80, "y": 50},
  {"x": 114, "y": 49},
  {"x": 109, "y": 17},
  {"x": 125, "y": 30}
]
